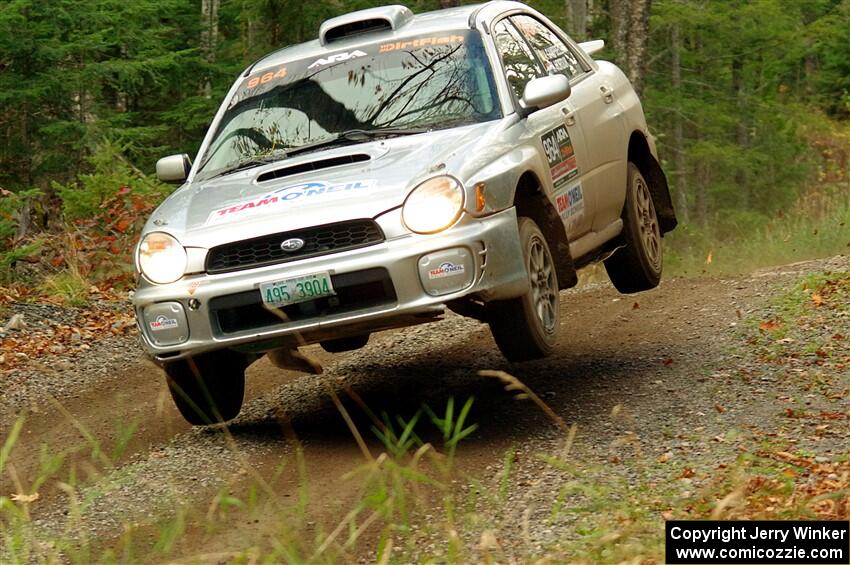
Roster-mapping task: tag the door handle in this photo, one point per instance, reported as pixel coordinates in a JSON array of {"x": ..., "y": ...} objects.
[
  {"x": 607, "y": 93},
  {"x": 569, "y": 116}
]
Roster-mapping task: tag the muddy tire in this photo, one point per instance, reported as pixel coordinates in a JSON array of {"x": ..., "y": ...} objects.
[
  {"x": 209, "y": 388},
  {"x": 637, "y": 265},
  {"x": 345, "y": 343},
  {"x": 526, "y": 328}
]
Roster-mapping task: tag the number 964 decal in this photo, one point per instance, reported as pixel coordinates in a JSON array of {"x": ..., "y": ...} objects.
[{"x": 558, "y": 148}]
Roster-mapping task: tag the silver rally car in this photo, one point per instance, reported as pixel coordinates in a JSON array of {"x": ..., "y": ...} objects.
[{"x": 470, "y": 158}]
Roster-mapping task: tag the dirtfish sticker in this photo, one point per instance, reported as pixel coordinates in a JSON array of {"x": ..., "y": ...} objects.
[
  {"x": 302, "y": 192},
  {"x": 446, "y": 270},
  {"x": 560, "y": 155},
  {"x": 163, "y": 323},
  {"x": 420, "y": 42},
  {"x": 570, "y": 203}
]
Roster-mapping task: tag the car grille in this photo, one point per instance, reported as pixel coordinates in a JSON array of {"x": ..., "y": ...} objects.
[
  {"x": 354, "y": 291},
  {"x": 319, "y": 240}
]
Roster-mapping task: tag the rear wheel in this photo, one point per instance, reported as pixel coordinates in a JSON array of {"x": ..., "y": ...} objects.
[
  {"x": 208, "y": 388},
  {"x": 637, "y": 265},
  {"x": 345, "y": 343},
  {"x": 526, "y": 328}
]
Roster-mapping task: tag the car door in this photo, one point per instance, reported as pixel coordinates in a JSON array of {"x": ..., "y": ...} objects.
[
  {"x": 552, "y": 129},
  {"x": 596, "y": 115}
]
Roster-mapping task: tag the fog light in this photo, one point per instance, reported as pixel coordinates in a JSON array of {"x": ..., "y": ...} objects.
[
  {"x": 165, "y": 323},
  {"x": 447, "y": 271}
]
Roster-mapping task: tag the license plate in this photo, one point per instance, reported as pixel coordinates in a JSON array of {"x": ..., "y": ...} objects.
[{"x": 297, "y": 289}]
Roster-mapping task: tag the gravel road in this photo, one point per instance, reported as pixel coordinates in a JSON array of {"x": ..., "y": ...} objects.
[{"x": 650, "y": 377}]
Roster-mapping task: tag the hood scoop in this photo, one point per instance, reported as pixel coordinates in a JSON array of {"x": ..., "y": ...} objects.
[
  {"x": 312, "y": 166},
  {"x": 370, "y": 20}
]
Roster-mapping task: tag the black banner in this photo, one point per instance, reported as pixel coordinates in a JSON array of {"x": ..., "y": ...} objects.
[{"x": 764, "y": 542}]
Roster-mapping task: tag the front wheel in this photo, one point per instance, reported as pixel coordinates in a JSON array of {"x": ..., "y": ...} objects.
[
  {"x": 208, "y": 388},
  {"x": 526, "y": 328},
  {"x": 637, "y": 265}
]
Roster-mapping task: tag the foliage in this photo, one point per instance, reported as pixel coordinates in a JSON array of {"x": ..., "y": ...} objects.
[{"x": 92, "y": 93}]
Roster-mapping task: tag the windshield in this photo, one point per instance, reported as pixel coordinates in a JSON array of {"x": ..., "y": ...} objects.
[{"x": 429, "y": 81}]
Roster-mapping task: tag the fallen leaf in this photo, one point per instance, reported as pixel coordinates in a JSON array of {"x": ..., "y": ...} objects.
[
  {"x": 635, "y": 306},
  {"x": 719, "y": 408},
  {"x": 25, "y": 498},
  {"x": 708, "y": 259},
  {"x": 790, "y": 473},
  {"x": 817, "y": 299},
  {"x": 687, "y": 473},
  {"x": 769, "y": 326},
  {"x": 665, "y": 457},
  {"x": 667, "y": 362}
]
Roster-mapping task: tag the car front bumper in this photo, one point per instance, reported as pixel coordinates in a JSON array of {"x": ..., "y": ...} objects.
[{"x": 387, "y": 285}]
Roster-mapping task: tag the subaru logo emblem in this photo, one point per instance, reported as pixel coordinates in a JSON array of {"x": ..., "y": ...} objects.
[{"x": 293, "y": 244}]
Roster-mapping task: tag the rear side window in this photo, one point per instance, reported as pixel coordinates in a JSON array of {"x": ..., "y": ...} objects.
[
  {"x": 555, "y": 55},
  {"x": 517, "y": 59}
]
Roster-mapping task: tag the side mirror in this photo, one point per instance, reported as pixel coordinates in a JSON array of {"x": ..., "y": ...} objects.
[
  {"x": 543, "y": 92},
  {"x": 174, "y": 169}
]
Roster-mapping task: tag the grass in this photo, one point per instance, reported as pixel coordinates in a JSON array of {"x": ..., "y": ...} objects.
[
  {"x": 808, "y": 232},
  {"x": 411, "y": 494}
]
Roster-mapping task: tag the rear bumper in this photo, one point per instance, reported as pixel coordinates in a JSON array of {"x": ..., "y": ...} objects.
[{"x": 379, "y": 287}]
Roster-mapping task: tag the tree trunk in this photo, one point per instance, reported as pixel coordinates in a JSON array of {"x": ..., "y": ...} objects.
[
  {"x": 679, "y": 162},
  {"x": 618, "y": 17},
  {"x": 577, "y": 18},
  {"x": 638, "y": 42},
  {"x": 209, "y": 37},
  {"x": 742, "y": 137},
  {"x": 630, "y": 37}
]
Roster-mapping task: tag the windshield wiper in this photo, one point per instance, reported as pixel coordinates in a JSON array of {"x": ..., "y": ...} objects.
[
  {"x": 345, "y": 137},
  {"x": 354, "y": 136}
]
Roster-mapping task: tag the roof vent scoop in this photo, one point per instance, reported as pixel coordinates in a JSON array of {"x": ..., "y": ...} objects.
[{"x": 364, "y": 21}]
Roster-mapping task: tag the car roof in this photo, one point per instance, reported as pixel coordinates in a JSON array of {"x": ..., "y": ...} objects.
[{"x": 426, "y": 22}]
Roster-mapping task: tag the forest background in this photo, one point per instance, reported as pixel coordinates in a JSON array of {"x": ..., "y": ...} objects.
[{"x": 750, "y": 101}]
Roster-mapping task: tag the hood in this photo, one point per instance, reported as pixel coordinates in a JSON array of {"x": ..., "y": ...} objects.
[{"x": 244, "y": 204}]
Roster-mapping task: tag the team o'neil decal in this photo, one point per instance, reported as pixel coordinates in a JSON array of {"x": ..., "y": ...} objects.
[
  {"x": 447, "y": 269},
  {"x": 163, "y": 323},
  {"x": 303, "y": 192},
  {"x": 560, "y": 155},
  {"x": 570, "y": 204}
]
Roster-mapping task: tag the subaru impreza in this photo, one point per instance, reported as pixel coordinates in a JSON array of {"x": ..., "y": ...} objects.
[{"x": 399, "y": 165}]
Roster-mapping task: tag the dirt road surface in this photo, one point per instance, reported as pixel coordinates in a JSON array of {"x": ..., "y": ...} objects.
[{"x": 660, "y": 369}]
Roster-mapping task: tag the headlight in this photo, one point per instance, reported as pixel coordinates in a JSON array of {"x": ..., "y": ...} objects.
[
  {"x": 161, "y": 258},
  {"x": 434, "y": 205}
]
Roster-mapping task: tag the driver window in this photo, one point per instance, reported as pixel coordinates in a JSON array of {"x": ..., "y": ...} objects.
[
  {"x": 517, "y": 59},
  {"x": 549, "y": 48}
]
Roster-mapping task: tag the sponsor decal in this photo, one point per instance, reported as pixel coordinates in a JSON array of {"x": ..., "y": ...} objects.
[
  {"x": 570, "y": 203},
  {"x": 560, "y": 155},
  {"x": 337, "y": 58},
  {"x": 163, "y": 323},
  {"x": 420, "y": 42},
  {"x": 296, "y": 192},
  {"x": 447, "y": 269},
  {"x": 193, "y": 287}
]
